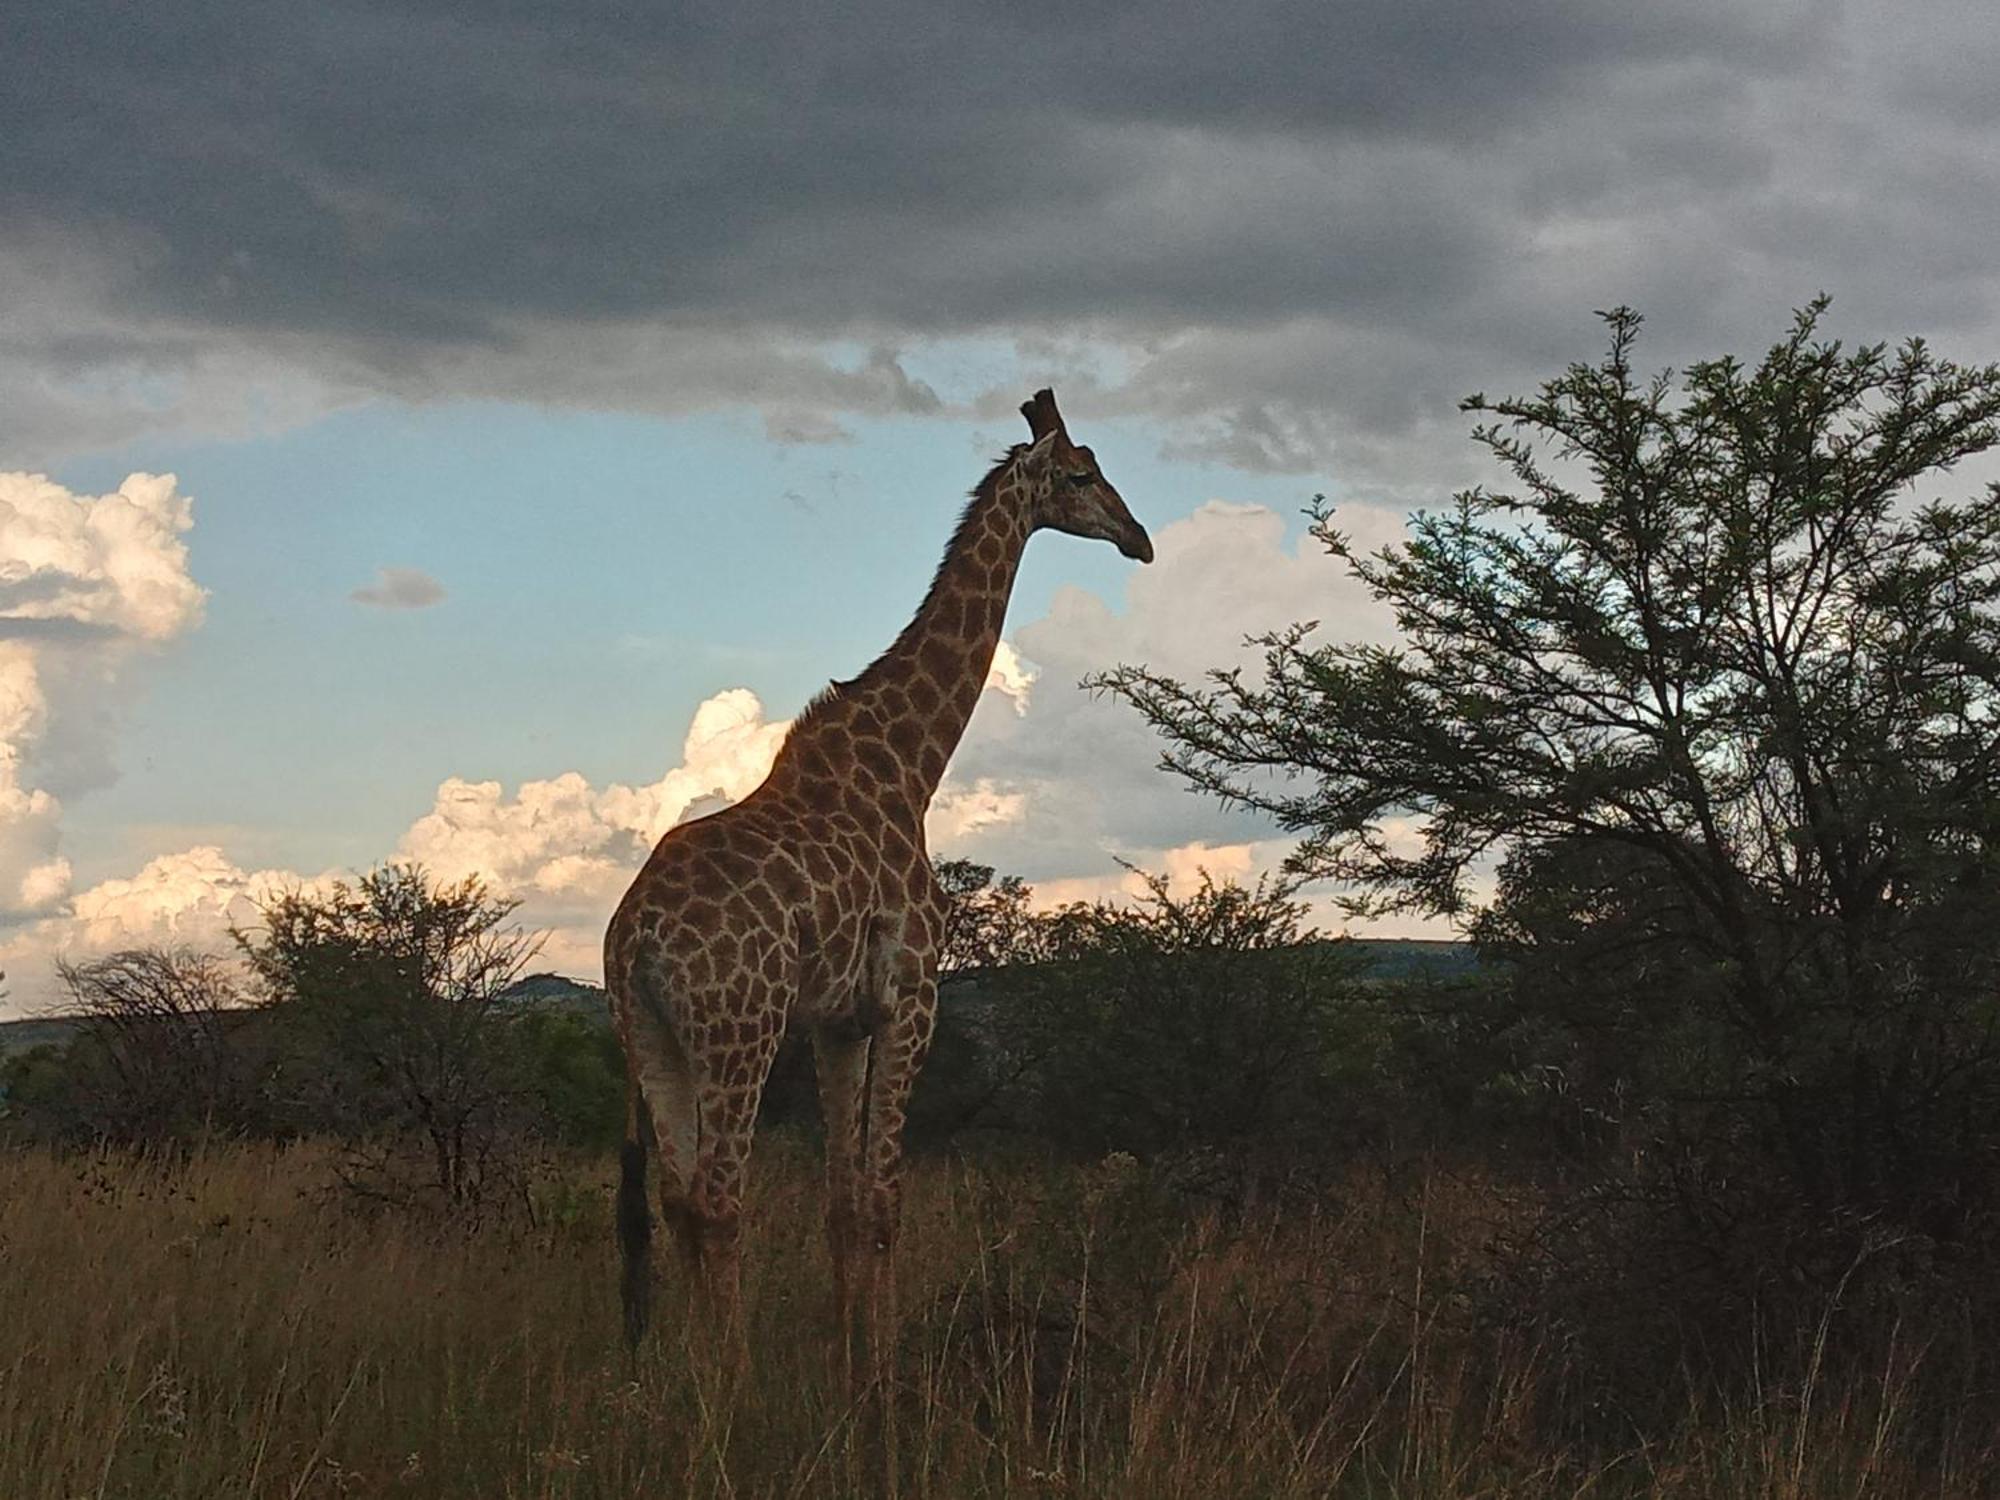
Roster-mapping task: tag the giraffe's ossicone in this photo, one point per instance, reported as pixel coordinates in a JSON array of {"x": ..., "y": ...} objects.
[{"x": 812, "y": 903}]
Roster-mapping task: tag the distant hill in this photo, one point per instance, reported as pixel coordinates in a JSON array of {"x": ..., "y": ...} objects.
[
  {"x": 1416, "y": 958},
  {"x": 550, "y": 991},
  {"x": 23, "y": 1036},
  {"x": 1385, "y": 958},
  {"x": 557, "y": 992}
]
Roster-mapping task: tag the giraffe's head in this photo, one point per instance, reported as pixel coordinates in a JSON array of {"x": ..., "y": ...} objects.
[{"x": 1068, "y": 491}]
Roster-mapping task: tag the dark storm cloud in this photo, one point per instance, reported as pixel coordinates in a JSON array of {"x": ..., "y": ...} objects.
[
  {"x": 413, "y": 172},
  {"x": 1312, "y": 224}
]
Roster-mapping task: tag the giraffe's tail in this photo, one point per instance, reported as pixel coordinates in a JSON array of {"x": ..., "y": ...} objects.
[{"x": 635, "y": 1224}]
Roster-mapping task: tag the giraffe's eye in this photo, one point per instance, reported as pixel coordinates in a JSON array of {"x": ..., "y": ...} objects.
[{"x": 1079, "y": 479}]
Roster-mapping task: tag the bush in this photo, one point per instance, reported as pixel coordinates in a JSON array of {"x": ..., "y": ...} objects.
[{"x": 162, "y": 1053}]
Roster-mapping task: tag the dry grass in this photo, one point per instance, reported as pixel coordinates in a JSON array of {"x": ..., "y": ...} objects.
[{"x": 221, "y": 1330}]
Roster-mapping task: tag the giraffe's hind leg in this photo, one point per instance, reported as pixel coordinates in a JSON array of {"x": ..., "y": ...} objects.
[
  {"x": 730, "y": 1082},
  {"x": 635, "y": 1221},
  {"x": 669, "y": 1104}
]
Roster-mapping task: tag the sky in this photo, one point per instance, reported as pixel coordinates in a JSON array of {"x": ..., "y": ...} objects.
[{"x": 467, "y": 434}]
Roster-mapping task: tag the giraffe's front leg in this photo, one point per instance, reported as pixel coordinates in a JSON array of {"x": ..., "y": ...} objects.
[
  {"x": 842, "y": 1059},
  {"x": 902, "y": 1036}
]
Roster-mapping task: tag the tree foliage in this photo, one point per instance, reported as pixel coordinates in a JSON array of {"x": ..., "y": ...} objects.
[
  {"x": 1719, "y": 679},
  {"x": 391, "y": 988},
  {"x": 988, "y": 922}
]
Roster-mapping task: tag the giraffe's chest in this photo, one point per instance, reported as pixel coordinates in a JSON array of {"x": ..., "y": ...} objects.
[
  {"x": 837, "y": 953},
  {"x": 855, "y": 923}
]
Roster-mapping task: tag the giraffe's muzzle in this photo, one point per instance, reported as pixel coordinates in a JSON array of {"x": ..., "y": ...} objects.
[{"x": 1136, "y": 545}]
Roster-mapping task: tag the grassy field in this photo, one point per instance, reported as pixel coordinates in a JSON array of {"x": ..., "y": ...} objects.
[{"x": 226, "y": 1329}]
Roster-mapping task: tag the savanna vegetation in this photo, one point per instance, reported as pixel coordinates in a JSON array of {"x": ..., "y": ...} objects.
[{"x": 1679, "y": 1179}]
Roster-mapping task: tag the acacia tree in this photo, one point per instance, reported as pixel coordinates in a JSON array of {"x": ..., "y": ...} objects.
[
  {"x": 1716, "y": 624},
  {"x": 393, "y": 986}
]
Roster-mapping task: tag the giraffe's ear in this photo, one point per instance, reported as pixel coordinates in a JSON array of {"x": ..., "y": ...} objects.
[{"x": 1043, "y": 418}]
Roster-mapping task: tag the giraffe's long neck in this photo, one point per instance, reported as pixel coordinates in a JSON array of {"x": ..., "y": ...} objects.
[{"x": 899, "y": 721}]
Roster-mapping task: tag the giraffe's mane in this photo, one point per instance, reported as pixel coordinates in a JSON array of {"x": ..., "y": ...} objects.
[{"x": 833, "y": 692}]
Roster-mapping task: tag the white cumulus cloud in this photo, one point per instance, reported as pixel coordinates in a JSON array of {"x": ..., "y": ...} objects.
[
  {"x": 564, "y": 835},
  {"x": 960, "y": 810},
  {"x": 1011, "y": 677},
  {"x": 191, "y": 898},
  {"x": 86, "y": 582}
]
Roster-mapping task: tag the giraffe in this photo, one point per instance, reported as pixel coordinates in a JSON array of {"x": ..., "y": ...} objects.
[{"x": 812, "y": 902}]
